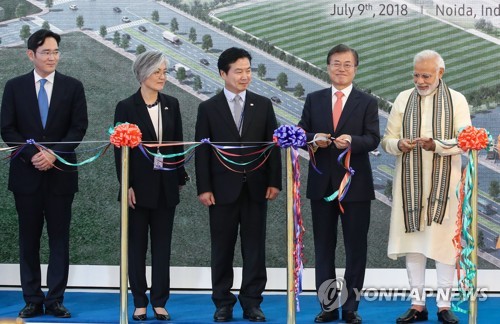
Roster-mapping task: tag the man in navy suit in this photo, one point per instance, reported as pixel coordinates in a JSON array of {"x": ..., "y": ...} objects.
[
  {"x": 336, "y": 118},
  {"x": 237, "y": 198},
  {"x": 43, "y": 188}
]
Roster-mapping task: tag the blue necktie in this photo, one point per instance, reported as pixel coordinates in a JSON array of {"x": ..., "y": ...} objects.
[{"x": 43, "y": 102}]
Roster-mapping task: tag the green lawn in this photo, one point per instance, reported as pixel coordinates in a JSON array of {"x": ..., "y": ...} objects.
[{"x": 386, "y": 45}]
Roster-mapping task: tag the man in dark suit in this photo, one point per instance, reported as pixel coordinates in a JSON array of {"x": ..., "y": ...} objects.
[
  {"x": 238, "y": 197},
  {"x": 51, "y": 109},
  {"x": 355, "y": 116}
]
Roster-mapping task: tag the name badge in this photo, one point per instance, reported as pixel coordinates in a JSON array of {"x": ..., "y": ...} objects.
[{"x": 158, "y": 163}]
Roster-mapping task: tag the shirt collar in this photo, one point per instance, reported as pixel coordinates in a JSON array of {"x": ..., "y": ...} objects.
[
  {"x": 230, "y": 96},
  {"x": 49, "y": 77},
  {"x": 345, "y": 91}
]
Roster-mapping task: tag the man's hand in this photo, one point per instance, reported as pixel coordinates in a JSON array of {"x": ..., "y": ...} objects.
[
  {"x": 272, "y": 193},
  {"x": 405, "y": 145},
  {"x": 343, "y": 141},
  {"x": 322, "y": 140},
  {"x": 131, "y": 198},
  {"x": 43, "y": 160},
  {"x": 207, "y": 198},
  {"x": 426, "y": 143}
]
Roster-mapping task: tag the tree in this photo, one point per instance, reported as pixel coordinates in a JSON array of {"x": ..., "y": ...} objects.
[
  {"x": 45, "y": 25},
  {"x": 25, "y": 32},
  {"x": 140, "y": 49},
  {"x": 49, "y": 3},
  {"x": 174, "y": 25},
  {"x": 299, "y": 90},
  {"x": 125, "y": 43},
  {"x": 103, "y": 31},
  {"x": 79, "y": 21},
  {"x": 480, "y": 240},
  {"x": 282, "y": 80},
  {"x": 192, "y": 35},
  {"x": 494, "y": 189},
  {"x": 207, "y": 43},
  {"x": 261, "y": 70},
  {"x": 181, "y": 74},
  {"x": 388, "y": 189},
  {"x": 21, "y": 10},
  {"x": 155, "y": 16},
  {"x": 197, "y": 85},
  {"x": 116, "y": 38}
]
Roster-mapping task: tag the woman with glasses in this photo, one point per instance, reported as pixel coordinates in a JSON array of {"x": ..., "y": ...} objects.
[{"x": 153, "y": 190}]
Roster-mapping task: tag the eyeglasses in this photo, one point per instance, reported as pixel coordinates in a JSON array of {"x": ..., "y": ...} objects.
[
  {"x": 49, "y": 53},
  {"x": 338, "y": 65},
  {"x": 159, "y": 73},
  {"x": 424, "y": 76}
]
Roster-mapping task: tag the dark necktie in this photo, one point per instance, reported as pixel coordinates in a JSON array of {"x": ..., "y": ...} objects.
[{"x": 43, "y": 102}]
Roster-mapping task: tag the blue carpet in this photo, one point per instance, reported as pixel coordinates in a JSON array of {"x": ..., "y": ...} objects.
[{"x": 91, "y": 307}]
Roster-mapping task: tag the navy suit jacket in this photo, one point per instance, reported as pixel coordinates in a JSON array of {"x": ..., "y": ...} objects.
[
  {"x": 360, "y": 120},
  {"x": 215, "y": 121},
  {"x": 146, "y": 182},
  {"x": 66, "y": 122}
]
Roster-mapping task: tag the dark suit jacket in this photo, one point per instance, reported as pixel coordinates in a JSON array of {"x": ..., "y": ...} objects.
[
  {"x": 66, "y": 122},
  {"x": 360, "y": 120},
  {"x": 215, "y": 122},
  {"x": 146, "y": 182}
]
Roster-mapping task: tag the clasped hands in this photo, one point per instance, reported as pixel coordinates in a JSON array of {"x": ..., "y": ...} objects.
[
  {"x": 323, "y": 140},
  {"x": 405, "y": 145},
  {"x": 43, "y": 160}
]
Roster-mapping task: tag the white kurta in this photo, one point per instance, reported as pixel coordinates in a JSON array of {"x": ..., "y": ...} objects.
[{"x": 434, "y": 241}]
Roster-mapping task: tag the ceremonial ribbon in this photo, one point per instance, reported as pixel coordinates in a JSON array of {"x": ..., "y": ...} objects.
[
  {"x": 469, "y": 139},
  {"x": 346, "y": 180},
  {"x": 291, "y": 136}
]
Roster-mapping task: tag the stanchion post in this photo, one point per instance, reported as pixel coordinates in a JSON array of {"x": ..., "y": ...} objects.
[
  {"x": 124, "y": 236},
  {"x": 290, "y": 239},
  {"x": 473, "y": 298}
]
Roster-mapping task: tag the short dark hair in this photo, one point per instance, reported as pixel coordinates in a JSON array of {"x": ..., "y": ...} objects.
[
  {"x": 38, "y": 38},
  {"x": 230, "y": 56},
  {"x": 341, "y": 48}
]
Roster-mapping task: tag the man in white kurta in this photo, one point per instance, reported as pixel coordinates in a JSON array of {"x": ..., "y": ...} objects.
[{"x": 423, "y": 219}]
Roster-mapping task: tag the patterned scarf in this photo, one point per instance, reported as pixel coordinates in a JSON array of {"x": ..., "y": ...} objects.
[{"x": 411, "y": 180}]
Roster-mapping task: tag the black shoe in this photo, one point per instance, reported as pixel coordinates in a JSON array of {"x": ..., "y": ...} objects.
[
  {"x": 161, "y": 317},
  {"x": 223, "y": 314},
  {"x": 140, "y": 317},
  {"x": 325, "y": 317},
  {"x": 446, "y": 316},
  {"x": 351, "y": 316},
  {"x": 254, "y": 314},
  {"x": 31, "y": 310},
  {"x": 57, "y": 309},
  {"x": 413, "y": 315}
]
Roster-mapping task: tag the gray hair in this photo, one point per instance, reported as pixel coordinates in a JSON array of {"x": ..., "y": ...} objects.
[
  {"x": 147, "y": 63},
  {"x": 429, "y": 55}
]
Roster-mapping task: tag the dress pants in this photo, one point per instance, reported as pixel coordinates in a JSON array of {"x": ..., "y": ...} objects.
[
  {"x": 355, "y": 223},
  {"x": 415, "y": 266},
  {"x": 250, "y": 217},
  {"x": 158, "y": 223},
  {"x": 33, "y": 210}
]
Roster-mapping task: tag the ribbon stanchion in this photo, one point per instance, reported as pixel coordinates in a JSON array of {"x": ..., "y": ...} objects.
[
  {"x": 292, "y": 138},
  {"x": 472, "y": 140},
  {"x": 290, "y": 240},
  {"x": 125, "y": 136},
  {"x": 124, "y": 236}
]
